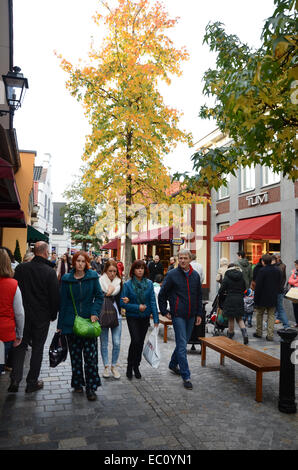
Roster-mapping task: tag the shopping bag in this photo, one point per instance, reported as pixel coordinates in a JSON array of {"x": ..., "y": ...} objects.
[
  {"x": 151, "y": 350},
  {"x": 58, "y": 349},
  {"x": 292, "y": 295}
]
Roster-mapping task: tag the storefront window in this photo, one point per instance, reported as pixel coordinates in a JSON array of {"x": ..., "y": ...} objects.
[{"x": 255, "y": 249}]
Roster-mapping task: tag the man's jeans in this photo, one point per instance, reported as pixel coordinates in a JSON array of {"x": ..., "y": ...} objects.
[
  {"x": 183, "y": 330},
  {"x": 280, "y": 312},
  {"x": 104, "y": 341}
]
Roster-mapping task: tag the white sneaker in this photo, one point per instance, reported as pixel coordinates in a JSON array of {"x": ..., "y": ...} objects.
[
  {"x": 106, "y": 372},
  {"x": 115, "y": 373}
]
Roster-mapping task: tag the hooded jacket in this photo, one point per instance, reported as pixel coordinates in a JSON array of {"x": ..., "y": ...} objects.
[
  {"x": 88, "y": 297},
  {"x": 246, "y": 269},
  {"x": 233, "y": 288}
]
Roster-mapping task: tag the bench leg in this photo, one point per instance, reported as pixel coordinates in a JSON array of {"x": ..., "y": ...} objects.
[
  {"x": 259, "y": 386},
  {"x": 203, "y": 354},
  {"x": 165, "y": 333},
  {"x": 222, "y": 359}
]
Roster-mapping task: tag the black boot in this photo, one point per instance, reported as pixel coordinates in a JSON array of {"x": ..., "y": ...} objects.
[
  {"x": 14, "y": 387},
  {"x": 129, "y": 372},
  {"x": 245, "y": 335},
  {"x": 137, "y": 372}
]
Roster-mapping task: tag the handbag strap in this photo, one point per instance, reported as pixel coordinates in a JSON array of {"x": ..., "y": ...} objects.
[{"x": 74, "y": 305}]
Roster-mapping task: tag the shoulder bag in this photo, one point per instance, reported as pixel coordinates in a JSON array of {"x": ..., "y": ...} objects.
[
  {"x": 108, "y": 317},
  {"x": 84, "y": 326}
]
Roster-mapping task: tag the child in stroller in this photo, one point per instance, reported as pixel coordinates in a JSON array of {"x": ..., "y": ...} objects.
[
  {"x": 248, "y": 307},
  {"x": 216, "y": 318}
]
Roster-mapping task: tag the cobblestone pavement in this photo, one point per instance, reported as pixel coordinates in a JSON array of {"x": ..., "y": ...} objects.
[{"x": 154, "y": 413}]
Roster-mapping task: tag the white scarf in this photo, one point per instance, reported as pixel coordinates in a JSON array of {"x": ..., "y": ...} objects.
[{"x": 105, "y": 283}]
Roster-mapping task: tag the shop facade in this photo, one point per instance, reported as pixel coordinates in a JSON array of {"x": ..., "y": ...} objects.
[{"x": 257, "y": 213}]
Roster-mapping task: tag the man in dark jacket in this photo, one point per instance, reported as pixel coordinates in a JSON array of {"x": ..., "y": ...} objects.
[
  {"x": 245, "y": 267},
  {"x": 40, "y": 292},
  {"x": 182, "y": 288},
  {"x": 266, "y": 292},
  {"x": 155, "y": 267}
]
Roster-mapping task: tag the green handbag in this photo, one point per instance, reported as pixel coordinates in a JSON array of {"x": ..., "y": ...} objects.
[{"x": 84, "y": 326}]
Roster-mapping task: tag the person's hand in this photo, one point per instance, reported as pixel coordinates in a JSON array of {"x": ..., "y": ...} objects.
[
  {"x": 142, "y": 307},
  {"x": 125, "y": 300},
  {"x": 17, "y": 342},
  {"x": 94, "y": 318},
  {"x": 110, "y": 291},
  {"x": 198, "y": 321},
  {"x": 58, "y": 331}
]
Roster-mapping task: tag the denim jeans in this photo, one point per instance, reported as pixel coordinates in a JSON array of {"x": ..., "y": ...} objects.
[
  {"x": 8, "y": 345},
  {"x": 104, "y": 342},
  {"x": 183, "y": 329},
  {"x": 280, "y": 312}
]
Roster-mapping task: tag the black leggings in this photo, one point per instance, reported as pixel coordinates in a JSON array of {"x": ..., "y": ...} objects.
[{"x": 138, "y": 328}]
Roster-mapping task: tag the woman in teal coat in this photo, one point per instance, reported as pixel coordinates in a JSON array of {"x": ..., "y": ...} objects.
[
  {"x": 88, "y": 298},
  {"x": 138, "y": 299}
]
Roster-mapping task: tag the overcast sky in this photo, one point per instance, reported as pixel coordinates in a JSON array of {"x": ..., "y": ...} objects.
[{"x": 51, "y": 121}]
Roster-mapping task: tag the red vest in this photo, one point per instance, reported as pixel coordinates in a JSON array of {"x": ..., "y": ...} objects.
[{"x": 8, "y": 289}]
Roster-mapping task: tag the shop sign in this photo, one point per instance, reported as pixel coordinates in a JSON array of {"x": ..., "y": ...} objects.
[
  {"x": 256, "y": 199},
  {"x": 177, "y": 241}
]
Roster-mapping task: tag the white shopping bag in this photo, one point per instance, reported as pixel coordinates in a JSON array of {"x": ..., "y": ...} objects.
[{"x": 151, "y": 350}]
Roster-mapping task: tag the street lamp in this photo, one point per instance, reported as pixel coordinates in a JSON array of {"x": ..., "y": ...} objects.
[{"x": 15, "y": 87}]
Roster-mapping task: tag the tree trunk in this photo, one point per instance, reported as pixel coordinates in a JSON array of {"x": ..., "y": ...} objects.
[{"x": 127, "y": 263}]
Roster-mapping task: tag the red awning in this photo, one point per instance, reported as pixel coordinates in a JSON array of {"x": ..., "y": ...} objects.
[
  {"x": 112, "y": 245},
  {"x": 12, "y": 218},
  {"x": 6, "y": 170},
  {"x": 161, "y": 234},
  {"x": 256, "y": 228}
]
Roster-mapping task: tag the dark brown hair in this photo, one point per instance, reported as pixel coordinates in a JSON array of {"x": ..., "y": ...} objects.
[
  {"x": 113, "y": 263},
  {"x": 81, "y": 253},
  {"x": 139, "y": 263}
]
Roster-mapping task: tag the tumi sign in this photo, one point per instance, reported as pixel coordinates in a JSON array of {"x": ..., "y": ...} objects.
[{"x": 256, "y": 199}]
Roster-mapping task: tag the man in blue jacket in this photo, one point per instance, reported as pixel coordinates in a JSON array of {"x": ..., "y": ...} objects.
[{"x": 182, "y": 288}]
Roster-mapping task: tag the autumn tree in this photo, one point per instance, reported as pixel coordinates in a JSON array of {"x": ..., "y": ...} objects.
[
  {"x": 256, "y": 97},
  {"x": 79, "y": 216},
  {"x": 132, "y": 129}
]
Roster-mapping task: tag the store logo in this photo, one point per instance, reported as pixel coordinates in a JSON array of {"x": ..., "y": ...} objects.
[{"x": 256, "y": 199}]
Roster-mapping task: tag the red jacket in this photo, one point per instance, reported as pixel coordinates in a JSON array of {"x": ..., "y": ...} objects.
[
  {"x": 293, "y": 281},
  {"x": 8, "y": 289}
]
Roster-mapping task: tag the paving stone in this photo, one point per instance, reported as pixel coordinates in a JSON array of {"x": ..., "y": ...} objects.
[
  {"x": 154, "y": 413},
  {"x": 73, "y": 443}
]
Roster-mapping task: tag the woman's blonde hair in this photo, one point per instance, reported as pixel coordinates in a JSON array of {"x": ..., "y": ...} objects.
[{"x": 5, "y": 264}]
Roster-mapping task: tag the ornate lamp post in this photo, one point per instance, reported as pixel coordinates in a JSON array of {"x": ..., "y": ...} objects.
[{"x": 15, "y": 88}]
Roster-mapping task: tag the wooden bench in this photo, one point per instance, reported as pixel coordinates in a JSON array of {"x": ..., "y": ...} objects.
[
  {"x": 249, "y": 357},
  {"x": 166, "y": 322}
]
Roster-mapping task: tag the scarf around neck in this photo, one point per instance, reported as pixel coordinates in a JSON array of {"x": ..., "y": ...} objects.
[
  {"x": 140, "y": 288},
  {"x": 105, "y": 283}
]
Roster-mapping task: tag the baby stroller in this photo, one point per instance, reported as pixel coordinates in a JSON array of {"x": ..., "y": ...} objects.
[{"x": 216, "y": 318}]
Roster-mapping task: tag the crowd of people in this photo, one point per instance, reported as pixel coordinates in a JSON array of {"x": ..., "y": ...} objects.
[
  {"x": 42, "y": 289},
  {"x": 245, "y": 290}
]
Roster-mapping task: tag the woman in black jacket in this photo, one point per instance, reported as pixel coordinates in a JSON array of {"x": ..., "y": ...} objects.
[{"x": 233, "y": 288}]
